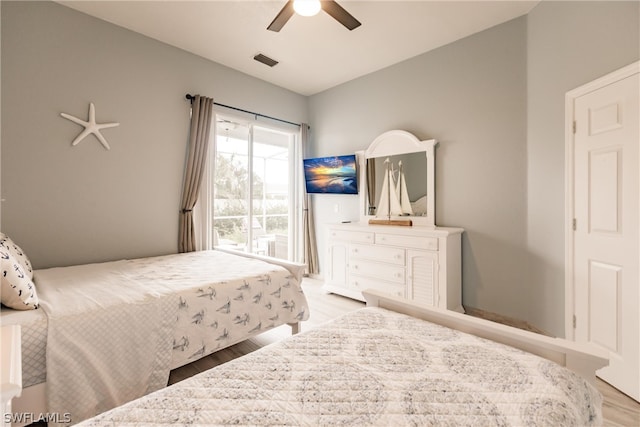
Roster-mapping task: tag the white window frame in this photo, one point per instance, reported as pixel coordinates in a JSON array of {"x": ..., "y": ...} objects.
[{"x": 203, "y": 211}]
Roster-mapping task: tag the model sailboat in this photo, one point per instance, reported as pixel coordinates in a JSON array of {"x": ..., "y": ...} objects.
[
  {"x": 403, "y": 194},
  {"x": 390, "y": 200}
]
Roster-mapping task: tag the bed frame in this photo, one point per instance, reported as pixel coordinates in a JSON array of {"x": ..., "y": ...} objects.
[
  {"x": 32, "y": 400},
  {"x": 583, "y": 359}
]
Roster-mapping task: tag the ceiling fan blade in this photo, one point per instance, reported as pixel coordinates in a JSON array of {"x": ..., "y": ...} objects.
[
  {"x": 282, "y": 17},
  {"x": 338, "y": 13}
]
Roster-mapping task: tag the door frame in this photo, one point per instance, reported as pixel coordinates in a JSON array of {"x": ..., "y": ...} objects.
[
  {"x": 205, "y": 209},
  {"x": 570, "y": 97}
]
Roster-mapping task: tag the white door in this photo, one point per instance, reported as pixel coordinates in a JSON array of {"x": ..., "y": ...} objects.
[{"x": 606, "y": 191}]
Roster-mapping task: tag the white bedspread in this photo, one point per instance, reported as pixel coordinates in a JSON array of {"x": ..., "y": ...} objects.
[
  {"x": 222, "y": 299},
  {"x": 115, "y": 327},
  {"x": 374, "y": 367}
]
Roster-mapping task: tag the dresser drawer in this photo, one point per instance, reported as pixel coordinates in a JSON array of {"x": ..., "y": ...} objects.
[
  {"x": 377, "y": 270},
  {"x": 378, "y": 253},
  {"x": 359, "y": 283},
  {"x": 416, "y": 242},
  {"x": 351, "y": 236}
]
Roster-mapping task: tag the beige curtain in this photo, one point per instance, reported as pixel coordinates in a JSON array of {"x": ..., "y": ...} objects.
[
  {"x": 201, "y": 115},
  {"x": 371, "y": 185},
  {"x": 310, "y": 247}
]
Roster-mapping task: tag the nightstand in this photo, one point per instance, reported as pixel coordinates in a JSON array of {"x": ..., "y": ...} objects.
[{"x": 11, "y": 374}]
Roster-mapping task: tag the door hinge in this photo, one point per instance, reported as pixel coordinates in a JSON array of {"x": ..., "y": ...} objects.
[
  {"x": 574, "y": 126},
  {"x": 574, "y": 224},
  {"x": 574, "y": 321}
]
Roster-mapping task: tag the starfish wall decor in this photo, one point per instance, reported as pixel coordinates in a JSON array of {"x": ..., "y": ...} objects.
[{"x": 90, "y": 127}]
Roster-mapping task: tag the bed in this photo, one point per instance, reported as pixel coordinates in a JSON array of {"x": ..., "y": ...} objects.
[
  {"x": 110, "y": 332},
  {"x": 391, "y": 363}
]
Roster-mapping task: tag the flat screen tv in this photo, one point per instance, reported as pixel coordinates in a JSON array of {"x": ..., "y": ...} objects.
[{"x": 331, "y": 175}]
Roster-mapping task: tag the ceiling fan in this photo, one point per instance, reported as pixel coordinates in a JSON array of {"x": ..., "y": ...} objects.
[{"x": 310, "y": 8}]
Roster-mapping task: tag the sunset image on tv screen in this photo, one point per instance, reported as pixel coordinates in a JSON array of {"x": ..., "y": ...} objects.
[{"x": 335, "y": 175}]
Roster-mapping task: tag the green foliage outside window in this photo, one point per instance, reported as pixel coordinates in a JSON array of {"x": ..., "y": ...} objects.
[{"x": 230, "y": 204}]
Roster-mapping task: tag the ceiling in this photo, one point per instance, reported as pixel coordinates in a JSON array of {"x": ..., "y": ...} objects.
[{"x": 314, "y": 53}]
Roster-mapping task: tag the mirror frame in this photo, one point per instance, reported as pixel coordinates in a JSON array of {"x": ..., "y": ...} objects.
[{"x": 392, "y": 143}]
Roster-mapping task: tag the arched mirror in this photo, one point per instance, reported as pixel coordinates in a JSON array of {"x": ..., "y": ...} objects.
[{"x": 397, "y": 176}]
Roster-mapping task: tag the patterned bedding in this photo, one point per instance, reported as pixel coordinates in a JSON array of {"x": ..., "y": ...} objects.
[
  {"x": 374, "y": 367},
  {"x": 116, "y": 329}
]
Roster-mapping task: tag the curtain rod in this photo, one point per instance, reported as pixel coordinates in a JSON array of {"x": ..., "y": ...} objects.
[{"x": 191, "y": 98}]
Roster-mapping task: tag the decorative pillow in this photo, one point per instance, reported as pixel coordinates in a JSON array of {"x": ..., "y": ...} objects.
[
  {"x": 17, "y": 252},
  {"x": 17, "y": 290}
]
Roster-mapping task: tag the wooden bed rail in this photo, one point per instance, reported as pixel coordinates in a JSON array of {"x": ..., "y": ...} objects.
[{"x": 584, "y": 359}]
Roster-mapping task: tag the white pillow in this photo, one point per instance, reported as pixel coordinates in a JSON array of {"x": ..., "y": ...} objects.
[
  {"x": 17, "y": 290},
  {"x": 17, "y": 252},
  {"x": 419, "y": 207}
]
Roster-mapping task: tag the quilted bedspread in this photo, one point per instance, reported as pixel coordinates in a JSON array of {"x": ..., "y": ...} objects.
[
  {"x": 116, "y": 329},
  {"x": 374, "y": 367}
]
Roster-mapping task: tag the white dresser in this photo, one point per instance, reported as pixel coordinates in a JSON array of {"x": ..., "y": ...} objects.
[{"x": 418, "y": 263}]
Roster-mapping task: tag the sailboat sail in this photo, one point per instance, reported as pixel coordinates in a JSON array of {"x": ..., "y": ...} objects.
[
  {"x": 403, "y": 194},
  {"x": 389, "y": 201}
]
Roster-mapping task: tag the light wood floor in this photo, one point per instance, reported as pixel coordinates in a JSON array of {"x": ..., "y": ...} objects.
[{"x": 618, "y": 409}]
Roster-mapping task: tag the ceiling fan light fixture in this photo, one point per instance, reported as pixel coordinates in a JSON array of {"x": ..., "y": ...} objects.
[
  {"x": 306, "y": 7},
  {"x": 310, "y": 8}
]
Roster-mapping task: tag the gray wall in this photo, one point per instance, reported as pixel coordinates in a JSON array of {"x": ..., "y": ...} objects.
[
  {"x": 569, "y": 44},
  {"x": 495, "y": 101},
  {"x": 471, "y": 97},
  {"x": 68, "y": 205}
]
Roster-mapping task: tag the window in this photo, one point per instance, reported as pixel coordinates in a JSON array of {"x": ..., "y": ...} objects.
[{"x": 254, "y": 191}]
